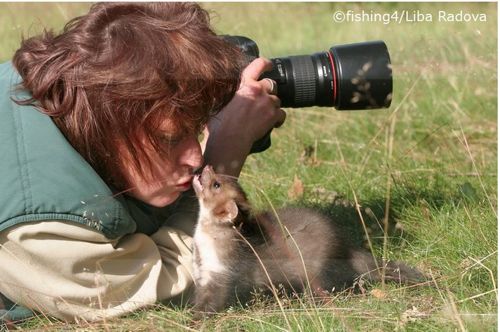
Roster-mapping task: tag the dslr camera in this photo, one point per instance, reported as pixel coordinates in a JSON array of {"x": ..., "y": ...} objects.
[{"x": 347, "y": 77}]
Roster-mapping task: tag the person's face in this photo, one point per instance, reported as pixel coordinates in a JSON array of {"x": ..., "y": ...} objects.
[{"x": 172, "y": 175}]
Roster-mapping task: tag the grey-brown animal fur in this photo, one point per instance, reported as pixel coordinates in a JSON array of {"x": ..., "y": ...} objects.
[{"x": 298, "y": 247}]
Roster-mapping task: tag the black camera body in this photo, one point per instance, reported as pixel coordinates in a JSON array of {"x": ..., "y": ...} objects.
[{"x": 346, "y": 77}]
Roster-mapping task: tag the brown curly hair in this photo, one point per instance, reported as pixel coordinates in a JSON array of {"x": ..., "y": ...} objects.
[{"x": 112, "y": 76}]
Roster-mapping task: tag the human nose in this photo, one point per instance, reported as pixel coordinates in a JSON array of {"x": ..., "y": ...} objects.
[{"x": 191, "y": 154}]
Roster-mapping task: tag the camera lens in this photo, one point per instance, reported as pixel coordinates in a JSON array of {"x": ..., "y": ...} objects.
[{"x": 347, "y": 77}]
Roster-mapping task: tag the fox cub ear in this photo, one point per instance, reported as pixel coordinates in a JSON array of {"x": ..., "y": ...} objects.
[{"x": 226, "y": 212}]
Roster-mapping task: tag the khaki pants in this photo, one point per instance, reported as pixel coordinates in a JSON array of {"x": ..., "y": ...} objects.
[{"x": 68, "y": 271}]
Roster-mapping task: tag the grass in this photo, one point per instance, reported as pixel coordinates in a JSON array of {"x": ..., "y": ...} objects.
[{"x": 427, "y": 165}]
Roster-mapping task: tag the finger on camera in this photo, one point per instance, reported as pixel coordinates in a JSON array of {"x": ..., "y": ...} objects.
[
  {"x": 270, "y": 86},
  {"x": 256, "y": 68},
  {"x": 281, "y": 118},
  {"x": 256, "y": 89},
  {"x": 276, "y": 101}
]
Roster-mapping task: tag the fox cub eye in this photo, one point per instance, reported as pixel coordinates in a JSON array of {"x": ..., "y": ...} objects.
[{"x": 216, "y": 185}]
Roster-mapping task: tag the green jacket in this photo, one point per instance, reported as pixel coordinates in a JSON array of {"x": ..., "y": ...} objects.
[{"x": 43, "y": 178}]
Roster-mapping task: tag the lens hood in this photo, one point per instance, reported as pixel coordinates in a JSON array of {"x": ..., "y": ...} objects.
[{"x": 363, "y": 76}]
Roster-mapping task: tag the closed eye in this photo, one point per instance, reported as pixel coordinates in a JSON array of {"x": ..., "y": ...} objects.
[{"x": 171, "y": 140}]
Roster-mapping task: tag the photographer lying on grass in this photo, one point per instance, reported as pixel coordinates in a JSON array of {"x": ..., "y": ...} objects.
[{"x": 99, "y": 128}]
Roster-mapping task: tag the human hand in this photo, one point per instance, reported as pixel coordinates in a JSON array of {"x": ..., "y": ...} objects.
[{"x": 253, "y": 112}]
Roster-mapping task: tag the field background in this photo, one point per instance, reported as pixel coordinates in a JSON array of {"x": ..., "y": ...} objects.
[{"x": 427, "y": 165}]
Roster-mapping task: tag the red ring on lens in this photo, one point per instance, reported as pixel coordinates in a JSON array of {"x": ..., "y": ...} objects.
[{"x": 330, "y": 56}]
